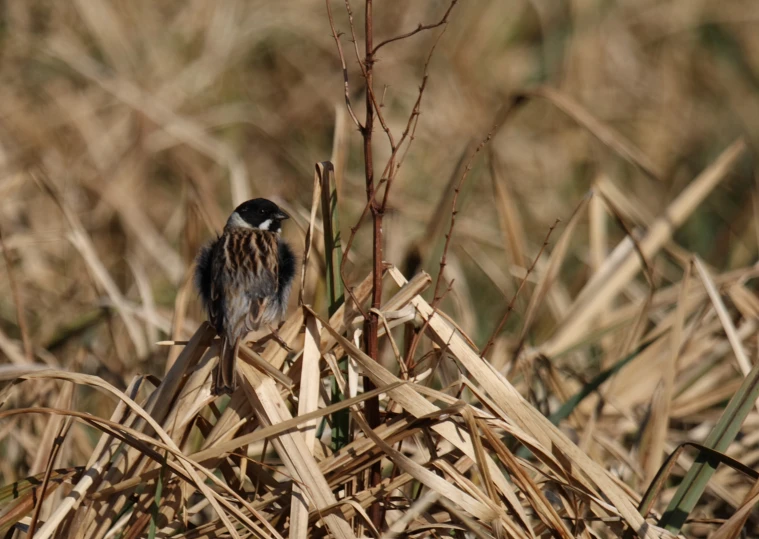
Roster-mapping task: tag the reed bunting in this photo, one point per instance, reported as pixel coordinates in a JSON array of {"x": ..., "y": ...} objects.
[{"x": 244, "y": 278}]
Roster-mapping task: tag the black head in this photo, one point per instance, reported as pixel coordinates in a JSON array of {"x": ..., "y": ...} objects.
[{"x": 258, "y": 213}]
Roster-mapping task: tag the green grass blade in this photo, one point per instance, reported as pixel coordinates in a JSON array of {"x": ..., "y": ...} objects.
[
  {"x": 333, "y": 254},
  {"x": 156, "y": 509},
  {"x": 591, "y": 387},
  {"x": 333, "y": 248},
  {"x": 588, "y": 389},
  {"x": 724, "y": 432}
]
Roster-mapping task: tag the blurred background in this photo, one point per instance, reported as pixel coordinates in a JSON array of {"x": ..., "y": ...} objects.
[{"x": 130, "y": 129}]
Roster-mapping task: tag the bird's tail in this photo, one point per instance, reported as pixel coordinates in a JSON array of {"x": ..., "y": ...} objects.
[{"x": 224, "y": 377}]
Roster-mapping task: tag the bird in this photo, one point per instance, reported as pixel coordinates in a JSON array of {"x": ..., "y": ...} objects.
[{"x": 244, "y": 278}]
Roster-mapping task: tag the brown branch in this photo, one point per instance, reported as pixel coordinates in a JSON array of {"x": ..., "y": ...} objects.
[
  {"x": 506, "y": 111},
  {"x": 377, "y": 209},
  {"x": 418, "y": 29},
  {"x": 18, "y": 301},
  {"x": 410, "y": 365},
  {"x": 57, "y": 443},
  {"x": 390, "y": 172},
  {"x": 510, "y": 306},
  {"x": 456, "y": 192},
  {"x": 353, "y": 37},
  {"x": 408, "y": 131},
  {"x": 349, "y": 245},
  {"x": 647, "y": 269},
  {"x": 367, "y": 64},
  {"x": 371, "y": 324},
  {"x": 344, "y": 67},
  {"x": 365, "y": 68}
]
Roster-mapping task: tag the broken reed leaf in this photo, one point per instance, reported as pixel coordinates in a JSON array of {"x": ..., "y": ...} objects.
[
  {"x": 271, "y": 409},
  {"x": 308, "y": 401},
  {"x": 623, "y": 263},
  {"x": 511, "y": 402}
]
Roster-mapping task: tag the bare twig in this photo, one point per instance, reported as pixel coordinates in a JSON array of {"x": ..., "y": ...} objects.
[
  {"x": 420, "y": 28},
  {"x": 62, "y": 432},
  {"x": 391, "y": 169},
  {"x": 454, "y": 211},
  {"x": 371, "y": 324},
  {"x": 388, "y": 174},
  {"x": 410, "y": 365},
  {"x": 373, "y": 205},
  {"x": 506, "y": 111},
  {"x": 18, "y": 301},
  {"x": 336, "y": 37},
  {"x": 354, "y": 40},
  {"x": 647, "y": 269},
  {"x": 510, "y": 306}
]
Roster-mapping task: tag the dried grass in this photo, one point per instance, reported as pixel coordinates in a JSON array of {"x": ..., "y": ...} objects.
[{"x": 131, "y": 129}]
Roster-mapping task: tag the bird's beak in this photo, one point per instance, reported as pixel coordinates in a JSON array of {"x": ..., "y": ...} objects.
[{"x": 281, "y": 216}]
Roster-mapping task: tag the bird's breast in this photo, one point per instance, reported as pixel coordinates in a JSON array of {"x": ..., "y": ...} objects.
[{"x": 250, "y": 251}]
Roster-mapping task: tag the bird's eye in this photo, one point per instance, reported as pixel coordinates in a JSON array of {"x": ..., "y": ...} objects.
[{"x": 261, "y": 211}]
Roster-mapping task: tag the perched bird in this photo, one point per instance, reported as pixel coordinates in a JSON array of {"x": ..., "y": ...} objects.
[{"x": 244, "y": 278}]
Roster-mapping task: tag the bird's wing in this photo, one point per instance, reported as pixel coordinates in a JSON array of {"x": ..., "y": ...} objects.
[
  {"x": 217, "y": 296},
  {"x": 204, "y": 272},
  {"x": 285, "y": 267}
]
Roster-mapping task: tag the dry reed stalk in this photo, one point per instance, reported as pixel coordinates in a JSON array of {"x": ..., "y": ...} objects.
[{"x": 623, "y": 264}]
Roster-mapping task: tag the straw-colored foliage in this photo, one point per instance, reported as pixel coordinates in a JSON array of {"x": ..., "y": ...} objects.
[{"x": 129, "y": 131}]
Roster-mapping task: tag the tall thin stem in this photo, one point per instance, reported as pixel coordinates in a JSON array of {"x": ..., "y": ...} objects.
[{"x": 371, "y": 324}]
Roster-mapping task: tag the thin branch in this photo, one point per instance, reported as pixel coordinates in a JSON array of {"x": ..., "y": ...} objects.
[
  {"x": 386, "y": 176},
  {"x": 57, "y": 443},
  {"x": 410, "y": 365},
  {"x": 647, "y": 269},
  {"x": 456, "y": 192},
  {"x": 353, "y": 37},
  {"x": 391, "y": 169},
  {"x": 502, "y": 116},
  {"x": 371, "y": 324},
  {"x": 349, "y": 245},
  {"x": 18, "y": 301},
  {"x": 344, "y": 67},
  {"x": 374, "y": 108},
  {"x": 510, "y": 307},
  {"x": 366, "y": 64},
  {"x": 420, "y": 28},
  {"x": 390, "y": 172}
]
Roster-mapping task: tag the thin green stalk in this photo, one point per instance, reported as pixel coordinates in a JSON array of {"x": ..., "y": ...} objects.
[
  {"x": 333, "y": 253},
  {"x": 723, "y": 434},
  {"x": 156, "y": 508}
]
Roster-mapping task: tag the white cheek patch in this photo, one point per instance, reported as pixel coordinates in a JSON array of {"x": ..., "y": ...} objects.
[
  {"x": 236, "y": 221},
  {"x": 265, "y": 225}
]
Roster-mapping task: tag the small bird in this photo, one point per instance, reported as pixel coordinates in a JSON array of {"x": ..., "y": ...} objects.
[{"x": 244, "y": 278}]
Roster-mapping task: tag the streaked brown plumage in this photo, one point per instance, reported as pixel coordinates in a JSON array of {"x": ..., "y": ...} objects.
[{"x": 244, "y": 278}]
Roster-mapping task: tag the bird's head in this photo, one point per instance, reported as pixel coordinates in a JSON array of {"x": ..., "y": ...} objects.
[{"x": 258, "y": 213}]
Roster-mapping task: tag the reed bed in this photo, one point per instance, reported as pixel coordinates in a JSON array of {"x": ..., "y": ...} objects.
[{"x": 566, "y": 334}]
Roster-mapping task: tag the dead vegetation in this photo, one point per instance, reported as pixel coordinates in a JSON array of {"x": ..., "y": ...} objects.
[{"x": 493, "y": 373}]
